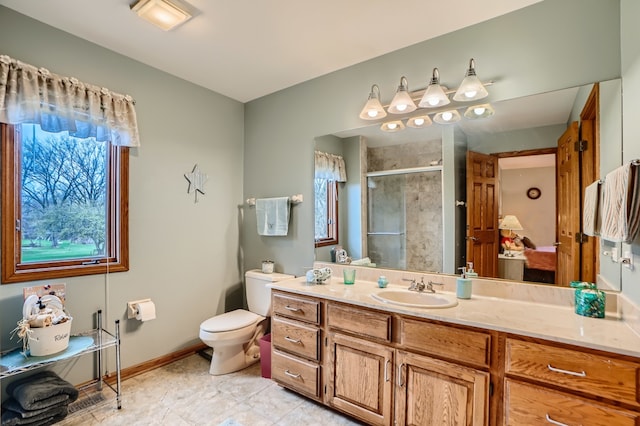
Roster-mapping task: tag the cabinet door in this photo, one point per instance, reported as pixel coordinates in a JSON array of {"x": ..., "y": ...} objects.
[
  {"x": 434, "y": 392},
  {"x": 359, "y": 381}
]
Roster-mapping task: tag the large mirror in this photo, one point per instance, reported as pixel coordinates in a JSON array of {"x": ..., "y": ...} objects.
[{"x": 405, "y": 204}]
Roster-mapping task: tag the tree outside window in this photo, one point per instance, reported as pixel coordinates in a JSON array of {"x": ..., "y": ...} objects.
[
  {"x": 63, "y": 205},
  {"x": 326, "y": 212}
]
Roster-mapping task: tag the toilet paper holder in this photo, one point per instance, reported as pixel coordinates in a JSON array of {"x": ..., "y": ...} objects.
[{"x": 132, "y": 307}]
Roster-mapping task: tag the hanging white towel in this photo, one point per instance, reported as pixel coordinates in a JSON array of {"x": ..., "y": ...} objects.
[
  {"x": 591, "y": 214},
  {"x": 272, "y": 216},
  {"x": 620, "y": 205}
]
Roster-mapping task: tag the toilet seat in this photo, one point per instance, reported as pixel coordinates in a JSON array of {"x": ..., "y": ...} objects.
[{"x": 230, "y": 321}]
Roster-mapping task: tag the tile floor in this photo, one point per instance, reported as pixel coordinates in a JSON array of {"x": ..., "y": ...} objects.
[{"x": 183, "y": 393}]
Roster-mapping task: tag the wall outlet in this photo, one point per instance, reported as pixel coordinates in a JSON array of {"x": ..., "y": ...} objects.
[{"x": 132, "y": 309}]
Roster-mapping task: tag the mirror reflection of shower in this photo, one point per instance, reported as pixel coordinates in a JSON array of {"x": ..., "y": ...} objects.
[{"x": 404, "y": 215}]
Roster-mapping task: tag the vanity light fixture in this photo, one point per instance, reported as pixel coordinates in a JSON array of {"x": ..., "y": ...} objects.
[
  {"x": 402, "y": 102},
  {"x": 471, "y": 88},
  {"x": 392, "y": 126},
  {"x": 419, "y": 121},
  {"x": 373, "y": 108},
  {"x": 164, "y": 14},
  {"x": 434, "y": 96},
  {"x": 447, "y": 117},
  {"x": 479, "y": 111}
]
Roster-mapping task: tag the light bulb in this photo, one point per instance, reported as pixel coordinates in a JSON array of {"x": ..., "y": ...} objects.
[
  {"x": 471, "y": 93},
  {"x": 432, "y": 101},
  {"x": 392, "y": 126},
  {"x": 446, "y": 116},
  {"x": 372, "y": 113},
  {"x": 419, "y": 121},
  {"x": 401, "y": 107},
  {"x": 479, "y": 110}
]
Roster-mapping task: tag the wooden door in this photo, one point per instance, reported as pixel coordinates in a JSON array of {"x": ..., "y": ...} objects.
[
  {"x": 360, "y": 378},
  {"x": 590, "y": 172},
  {"x": 568, "y": 211},
  {"x": 482, "y": 213},
  {"x": 435, "y": 392}
]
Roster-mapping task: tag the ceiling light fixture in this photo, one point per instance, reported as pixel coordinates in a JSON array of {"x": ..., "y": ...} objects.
[
  {"x": 447, "y": 117},
  {"x": 373, "y": 108},
  {"x": 434, "y": 96},
  {"x": 479, "y": 111},
  {"x": 471, "y": 88},
  {"x": 419, "y": 121},
  {"x": 164, "y": 14},
  {"x": 402, "y": 102},
  {"x": 392, "y": 126}
]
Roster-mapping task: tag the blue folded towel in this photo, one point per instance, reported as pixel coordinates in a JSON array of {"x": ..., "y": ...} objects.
[{"x": 272, "y": 216}]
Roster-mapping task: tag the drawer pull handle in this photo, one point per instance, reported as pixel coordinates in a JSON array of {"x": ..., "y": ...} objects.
[
  {"x": 571, "y": 373},
  {"x": 292, "y": 309},
  {"x": 289, "y": 339},
  {"x": 400, "y": 368},
  {"x": 553, "y": 422},
  {"x": 290, "y": 374},
  {"x": 386, "y": 370}
]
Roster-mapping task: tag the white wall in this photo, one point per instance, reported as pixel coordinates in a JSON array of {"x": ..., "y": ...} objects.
[
  {"x": 537, "y": 217},
  {"x": 184, "y": 256}
]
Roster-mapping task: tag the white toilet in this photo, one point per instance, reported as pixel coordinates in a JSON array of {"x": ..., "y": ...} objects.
[{"x": 234, "y": 335}]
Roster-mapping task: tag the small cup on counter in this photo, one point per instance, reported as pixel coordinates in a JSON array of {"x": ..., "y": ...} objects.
[{"x": 349, "y": 275}]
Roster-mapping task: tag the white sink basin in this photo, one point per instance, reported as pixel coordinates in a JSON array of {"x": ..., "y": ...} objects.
[{"x": 415, "y": 299}]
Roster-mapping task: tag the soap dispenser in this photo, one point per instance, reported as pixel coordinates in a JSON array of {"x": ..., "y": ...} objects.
[
  {"x": 463, "y": 285},
  {"x": 470, "y": 272}
]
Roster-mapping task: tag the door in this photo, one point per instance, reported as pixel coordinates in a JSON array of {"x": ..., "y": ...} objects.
[
  {"x": 482, "y": 213},
  {"x": 360, "y": 381},
  {"x": 568, "y": 212},
  {"x": 435, "y": 392}
]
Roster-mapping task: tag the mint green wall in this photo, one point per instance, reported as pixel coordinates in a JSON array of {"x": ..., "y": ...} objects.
[
  {"x": 551, "y": 45},
  {"x": 184, "y": 256},
  {"x": 630, "y": 10}
]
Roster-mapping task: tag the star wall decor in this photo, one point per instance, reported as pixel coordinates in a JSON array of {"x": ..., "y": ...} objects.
[{"x": 196, "y": 180}]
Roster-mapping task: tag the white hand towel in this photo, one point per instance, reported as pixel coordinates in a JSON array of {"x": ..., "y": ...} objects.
[
  {"x": 591, "y": 213},
  {"x": 272, "y": 216},
  {"x": 620, "y": 205}
]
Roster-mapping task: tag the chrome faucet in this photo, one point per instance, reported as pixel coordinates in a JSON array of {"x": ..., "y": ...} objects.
[{"x": 421, "y": 286}]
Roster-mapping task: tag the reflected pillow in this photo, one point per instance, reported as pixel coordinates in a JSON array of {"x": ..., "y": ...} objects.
[{"x": 528, "y": 243}]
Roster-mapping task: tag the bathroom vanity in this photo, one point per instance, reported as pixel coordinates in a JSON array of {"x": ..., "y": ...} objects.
[{"x": 486, "y": 361}]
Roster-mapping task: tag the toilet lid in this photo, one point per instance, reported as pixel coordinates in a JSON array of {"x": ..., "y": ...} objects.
[{"x": 230, "y": 321}]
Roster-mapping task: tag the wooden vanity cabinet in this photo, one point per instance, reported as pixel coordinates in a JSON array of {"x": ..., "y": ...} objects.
[
  {"x": 296, "y": 343},
  {"x": 552, "y": 383},
  {"x": 372, "y": 376}
]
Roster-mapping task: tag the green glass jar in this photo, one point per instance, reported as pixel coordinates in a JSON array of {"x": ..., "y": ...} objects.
[
  {"x": 590, "y": 302},
  {"x": 580, "y": 285}
]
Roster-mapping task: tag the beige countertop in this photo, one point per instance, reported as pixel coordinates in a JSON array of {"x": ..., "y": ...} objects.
[{"x": 546, "y": 321}]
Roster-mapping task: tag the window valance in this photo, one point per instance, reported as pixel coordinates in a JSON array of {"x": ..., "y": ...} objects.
[
  {"x": 34, "y": 95},
  {"x": 330, "y": 167}
]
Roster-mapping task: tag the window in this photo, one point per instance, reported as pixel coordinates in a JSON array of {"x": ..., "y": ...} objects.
[
  {"x": 64, "y": 205},
  {"x": 326, "y": 212}
]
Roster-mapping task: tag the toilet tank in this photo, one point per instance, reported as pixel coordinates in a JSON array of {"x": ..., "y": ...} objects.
[{"x": 258, "y": 294}]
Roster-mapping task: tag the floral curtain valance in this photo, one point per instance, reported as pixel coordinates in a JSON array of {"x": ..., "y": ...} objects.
[
  {"x": 35, "y": 95},
  {"x": 330, "y": 167}
]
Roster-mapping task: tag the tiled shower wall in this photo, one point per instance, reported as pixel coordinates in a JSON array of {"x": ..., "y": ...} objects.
[{"x": 422, "y": 201}]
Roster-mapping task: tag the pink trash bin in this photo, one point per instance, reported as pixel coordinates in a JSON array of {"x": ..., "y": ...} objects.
[{"x": 265, "y": 356}]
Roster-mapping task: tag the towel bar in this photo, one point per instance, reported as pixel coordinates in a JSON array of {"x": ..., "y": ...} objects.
[{"x": 294, "y": 199}]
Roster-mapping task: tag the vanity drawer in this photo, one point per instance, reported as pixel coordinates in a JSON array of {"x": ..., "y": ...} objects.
[
  {"x": 532, "y": 405},
  {"x": 296, "y": 307},
  {"x": 592, "y": 374},
  {"x": 469, "y": 346},
  {"x": 376, "y": 325},
  {"x": 296, "y": 338},
  {"x": 295, "y": 373}
]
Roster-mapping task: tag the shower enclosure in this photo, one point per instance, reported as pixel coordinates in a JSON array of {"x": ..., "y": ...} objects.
[{"x": 404, "y": 216}]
